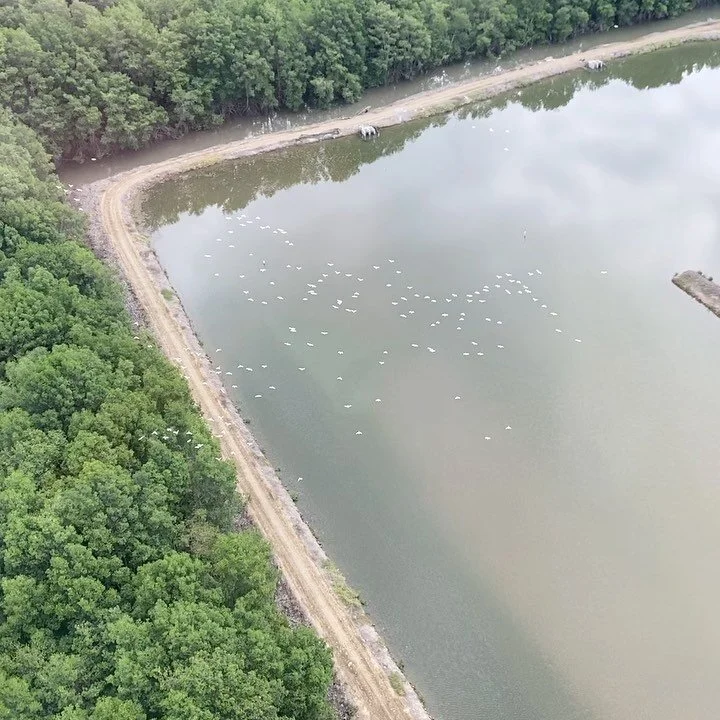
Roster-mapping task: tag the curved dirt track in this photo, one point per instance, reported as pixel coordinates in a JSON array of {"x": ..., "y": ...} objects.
[{"x": 364, "y": 669}]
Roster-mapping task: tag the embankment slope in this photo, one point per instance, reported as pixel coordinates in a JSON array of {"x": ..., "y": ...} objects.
[{"x": 362, "y": 662}]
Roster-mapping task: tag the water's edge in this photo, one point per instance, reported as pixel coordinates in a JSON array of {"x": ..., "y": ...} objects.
[
  {"x": 103, "y": 247},
  {"x": 433, "y": 104}
]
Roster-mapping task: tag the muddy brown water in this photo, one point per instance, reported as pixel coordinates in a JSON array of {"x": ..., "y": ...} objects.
[{"x": 532, "y": 508}]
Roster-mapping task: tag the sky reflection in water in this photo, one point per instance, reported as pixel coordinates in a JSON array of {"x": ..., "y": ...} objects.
[{"x": 532, "y": 519}]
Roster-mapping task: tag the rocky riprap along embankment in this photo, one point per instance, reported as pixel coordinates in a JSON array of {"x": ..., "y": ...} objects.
[{"x": 702, "y": 288}]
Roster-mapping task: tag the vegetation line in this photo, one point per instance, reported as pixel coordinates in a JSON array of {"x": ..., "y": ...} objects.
[
  {"x": 95, "y": 76},
  {"x": 124, "y": 592},
  {"x": 374, "y": 684}
]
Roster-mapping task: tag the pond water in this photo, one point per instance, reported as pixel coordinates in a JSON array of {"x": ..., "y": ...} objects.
[{"x": 461, "y": 345}]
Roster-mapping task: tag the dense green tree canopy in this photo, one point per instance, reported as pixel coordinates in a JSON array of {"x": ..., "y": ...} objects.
[
  {"x": 91, "y": 77},
  {"x": 122, "y": 594}
]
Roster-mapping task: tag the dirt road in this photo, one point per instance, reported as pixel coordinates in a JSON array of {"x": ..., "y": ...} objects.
[{"x": 363, "y": 666}]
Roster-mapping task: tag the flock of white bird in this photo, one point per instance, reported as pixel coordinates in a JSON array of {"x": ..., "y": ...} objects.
[{"x": 333, "y": 288}]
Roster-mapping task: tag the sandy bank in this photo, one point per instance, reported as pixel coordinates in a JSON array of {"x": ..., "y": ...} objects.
[{"x": 362, "y": 660}]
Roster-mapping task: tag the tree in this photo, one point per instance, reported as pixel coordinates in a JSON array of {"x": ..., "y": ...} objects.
[{"x": 114, "y": 509}]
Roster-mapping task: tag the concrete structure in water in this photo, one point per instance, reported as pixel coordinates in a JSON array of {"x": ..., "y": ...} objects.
[{"x": 703, "y": 289}]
